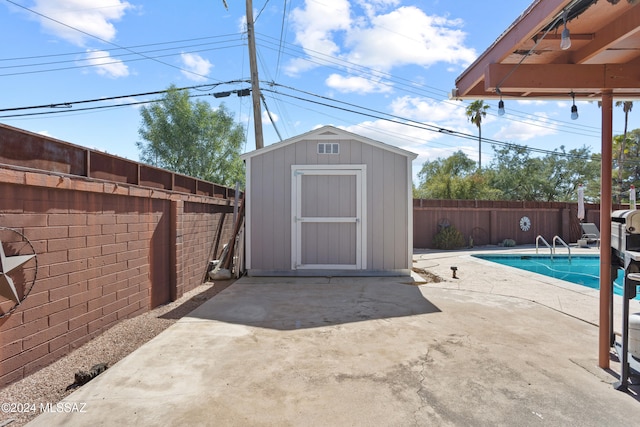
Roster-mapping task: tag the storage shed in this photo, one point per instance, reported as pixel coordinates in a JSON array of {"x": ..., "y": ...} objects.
[{"x": 329, "y": 203}]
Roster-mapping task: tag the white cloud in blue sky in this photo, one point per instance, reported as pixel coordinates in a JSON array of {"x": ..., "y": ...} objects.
[
  {"x": 387, "y": 56},
  {"x": 95, "y": 17},
  {"x": 103, "y": 64},
  {"x": 195, "y": 67}
]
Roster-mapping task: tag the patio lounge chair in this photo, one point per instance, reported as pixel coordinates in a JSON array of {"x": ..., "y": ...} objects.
[{"x": 590, "y": 232}]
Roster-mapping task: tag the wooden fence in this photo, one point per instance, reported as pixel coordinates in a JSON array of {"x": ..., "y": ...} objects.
[{"x": 491, "y": 222}]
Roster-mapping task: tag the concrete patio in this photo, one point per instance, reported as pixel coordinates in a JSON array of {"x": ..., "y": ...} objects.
[{"x": 496, "y": 346}]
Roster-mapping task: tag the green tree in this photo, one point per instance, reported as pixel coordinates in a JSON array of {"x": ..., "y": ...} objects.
[
  {"x": 517, "y": 174},
  {"x": 453, "y": 178},
  {"x": 554, "y": 177},
  {"x": 627, "y": 106},
  {"x": 192, "y": 138},
  {"x": 629, "y": 171},
  {"x": 565, "y": 171},
  {"x": 632, "y": 149},
  {"x": 476, "y": 111}
]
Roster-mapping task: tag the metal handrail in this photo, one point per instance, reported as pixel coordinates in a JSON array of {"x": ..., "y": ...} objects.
[
  {"x": 558, "y": 238},
  {"x": 545, "y": 242}
]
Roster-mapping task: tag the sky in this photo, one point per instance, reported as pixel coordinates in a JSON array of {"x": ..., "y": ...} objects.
[{"x": 382, "y": 69}]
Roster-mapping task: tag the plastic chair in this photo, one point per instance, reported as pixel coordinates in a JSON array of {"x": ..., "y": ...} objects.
[{"x": 590, "y": 232}]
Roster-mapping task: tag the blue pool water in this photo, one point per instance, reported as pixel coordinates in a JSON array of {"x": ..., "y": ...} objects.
[{"x": 582, "y": 269}]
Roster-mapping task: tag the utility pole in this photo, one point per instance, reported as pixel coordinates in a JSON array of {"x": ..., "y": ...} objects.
[{"x": 255, "y": 84}]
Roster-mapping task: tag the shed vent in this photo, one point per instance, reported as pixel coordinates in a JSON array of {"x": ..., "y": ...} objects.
[{"x": 328, "y": 148}]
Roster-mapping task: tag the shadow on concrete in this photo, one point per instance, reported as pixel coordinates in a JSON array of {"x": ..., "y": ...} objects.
[
  {"x": 298, "y": 303},
  {"x": 196, "y": 300},
  {"x": 633, "y": 386}
]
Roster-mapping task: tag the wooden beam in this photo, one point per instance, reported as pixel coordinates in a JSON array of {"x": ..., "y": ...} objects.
[
  {"x": 621, "y": 28},
  {"x": 560, "y": 77},
  {"x": 524, "y": 28}
]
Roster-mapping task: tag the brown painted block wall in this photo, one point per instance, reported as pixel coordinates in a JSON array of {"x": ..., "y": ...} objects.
[{"x": 106, "y": 253}]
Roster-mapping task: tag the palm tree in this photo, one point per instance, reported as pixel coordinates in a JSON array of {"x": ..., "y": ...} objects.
[
  {"x": 476, "y": 111},
  {"x": 626, "y": 108}
]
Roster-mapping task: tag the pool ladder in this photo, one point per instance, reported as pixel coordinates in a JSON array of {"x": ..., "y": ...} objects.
[{"x": 552, "y": 249}]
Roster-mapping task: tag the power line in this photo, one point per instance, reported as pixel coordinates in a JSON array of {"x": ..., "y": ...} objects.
[
  {"x": 56, "y": 55},
  {"x": 105, "y": 41},
  {"x": 353, "y": 108},
  {"x": 394, "y": 82},
  {"x": 111, "y": 98},
  {"x": 412, "y": 123}
]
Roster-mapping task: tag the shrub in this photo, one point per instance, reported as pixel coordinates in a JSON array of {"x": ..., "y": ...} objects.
[
  {"x": 508, "y": 243},
  {"x": 448, "y": 238}
]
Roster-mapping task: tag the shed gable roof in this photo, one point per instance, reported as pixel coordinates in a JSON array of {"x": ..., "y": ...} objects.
[{"x": 329, "y": 133}]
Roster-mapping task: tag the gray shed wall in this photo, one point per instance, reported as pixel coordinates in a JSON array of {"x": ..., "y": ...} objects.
[{"x": 269, "y": 193}]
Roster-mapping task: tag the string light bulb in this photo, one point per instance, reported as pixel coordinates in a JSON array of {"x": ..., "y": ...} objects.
[
  {"x": 501, "y": 108},
  {"x": 565, "y": 38},
  {"x": 500, "y": 103},
  {"x": 574, "y": 108}
]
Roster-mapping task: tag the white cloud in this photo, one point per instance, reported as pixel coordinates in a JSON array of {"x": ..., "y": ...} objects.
[
  {"x": 267, "y": 119},
  {"x": 444, "y": 113},
  {"x": 371, "y": 7},
  {"x": 531, "y": 102},
  {"x": 408, "y": 36},
  {"x": 526, "y": 129},
  {"x": 362, "y": 85},
  {"x": 93, "y": 17},
  {"x": 404, "y": 36},
  {"x": 105, "y": 65},
  {"x": 195, "y": 67},
  {"x": 316, "y": 24},
  {"x": 428, "y": 145}
]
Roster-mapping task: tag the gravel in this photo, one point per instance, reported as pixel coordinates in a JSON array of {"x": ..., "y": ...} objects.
[{"x": 49, "y": 384}]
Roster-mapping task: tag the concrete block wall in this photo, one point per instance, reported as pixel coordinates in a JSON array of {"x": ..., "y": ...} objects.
[
  {"x": 106, "y": 252},
  {"x": 201, "y": 226}
]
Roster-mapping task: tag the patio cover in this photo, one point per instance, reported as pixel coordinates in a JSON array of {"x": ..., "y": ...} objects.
[{"x": 602, "y": 64}]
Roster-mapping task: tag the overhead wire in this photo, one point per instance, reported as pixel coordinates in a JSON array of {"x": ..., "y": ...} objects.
[
  {"x": 409, "y": 86},
  {"x": 367, "y": 112},
  {"x": 282, "y": 36},
  {"x": 105, "y": 41},
  {"x": 385, "y": 79},
  {"x": 394, "y": 82},
  {"x": 101, "y": 64},
  {"x": 281, "y": 111},
  {"x": 113, "y": 49},
  {"x": 412, "y": 123}
]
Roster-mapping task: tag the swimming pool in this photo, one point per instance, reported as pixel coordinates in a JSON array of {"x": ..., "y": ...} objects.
[{"x": 581, "y": 269}]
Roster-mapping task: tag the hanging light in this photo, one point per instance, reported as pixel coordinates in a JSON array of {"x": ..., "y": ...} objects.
[
  {"x": 565, "y": 39},
  {"x": 500, "y": 103},
  {"x": 574, "y": 108}
]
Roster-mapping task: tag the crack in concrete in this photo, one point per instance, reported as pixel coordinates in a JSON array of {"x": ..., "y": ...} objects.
[{"x": 424, "y": 359}]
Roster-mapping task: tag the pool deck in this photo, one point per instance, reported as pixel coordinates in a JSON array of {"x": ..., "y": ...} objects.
[
  {"x": 486, "y": 277},
  {"x": 496, "y": 346}
]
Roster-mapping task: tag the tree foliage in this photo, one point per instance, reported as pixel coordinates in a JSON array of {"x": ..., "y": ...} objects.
[
  {"x": 552, "y": 178},
  {"x": 455, "y": 177},
  {"x": 514, "y": 174},
  {"x": 191, "y": 138},
  {"x": 476, "y": 111}
]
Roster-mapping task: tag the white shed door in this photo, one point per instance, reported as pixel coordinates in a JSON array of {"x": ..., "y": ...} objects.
[{"x": 328, "y": 217}]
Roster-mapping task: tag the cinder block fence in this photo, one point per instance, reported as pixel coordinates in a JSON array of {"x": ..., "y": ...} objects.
[{"x": 113, "y": 239}]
